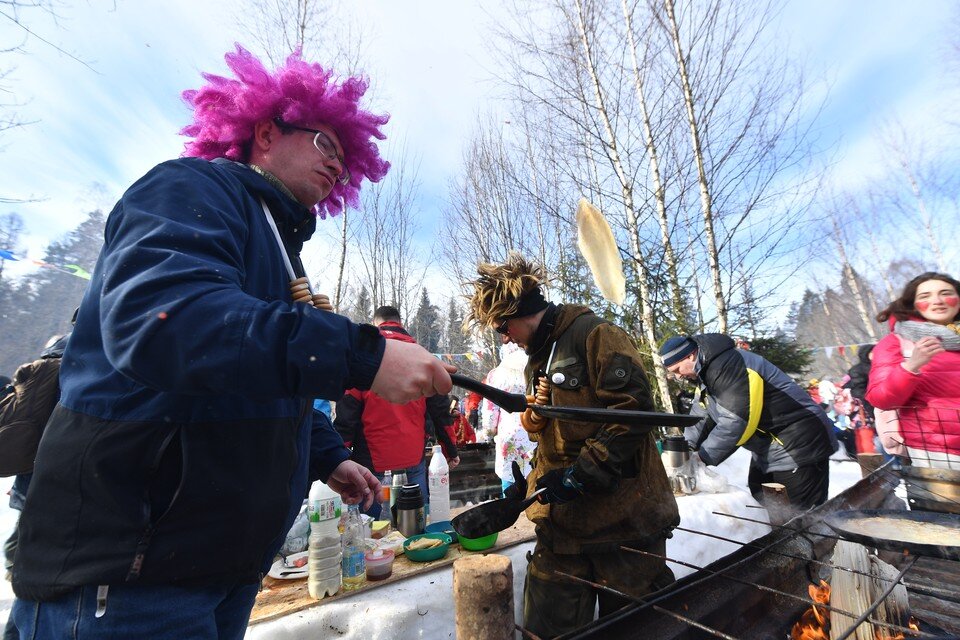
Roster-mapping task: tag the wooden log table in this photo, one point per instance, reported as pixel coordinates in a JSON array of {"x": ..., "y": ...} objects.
[{"x": 283, "y": 597}]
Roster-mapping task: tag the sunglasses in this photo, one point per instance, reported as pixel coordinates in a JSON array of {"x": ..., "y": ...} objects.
[{"x": 502, "y": 328}]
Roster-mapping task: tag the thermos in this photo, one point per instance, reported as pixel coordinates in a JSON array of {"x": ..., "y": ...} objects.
[
  {"x": 408, "y": 510},
  {"x": 676, "y": 452},
  {"x": 399, "y": 479}
]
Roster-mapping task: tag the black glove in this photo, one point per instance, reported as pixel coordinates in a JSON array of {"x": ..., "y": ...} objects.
[
  {"x": 561, "y": 486},
  {"x": 518, "y": 490}
]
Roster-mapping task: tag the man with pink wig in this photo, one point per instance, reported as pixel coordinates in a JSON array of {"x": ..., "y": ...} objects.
[{"x": 183, "y": 443}]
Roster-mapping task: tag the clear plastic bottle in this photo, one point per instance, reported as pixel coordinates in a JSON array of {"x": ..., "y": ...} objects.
[
  {"x": 323, "y": 564},
  {"x": 385, "y": 493},
  {"x": 354, "y": 566},
  {"x": 439, "y": 483}
]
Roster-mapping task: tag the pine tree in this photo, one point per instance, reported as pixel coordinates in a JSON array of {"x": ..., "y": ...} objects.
[
  {"x": 42, "y": 303},
  {"x": 456, "y": 340},
  {"x": 362, "y": 308},
  {"x": 426, "y": 327}
]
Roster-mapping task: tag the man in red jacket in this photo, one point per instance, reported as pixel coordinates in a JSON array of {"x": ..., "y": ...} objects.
[{"x": 383, "y": 435}]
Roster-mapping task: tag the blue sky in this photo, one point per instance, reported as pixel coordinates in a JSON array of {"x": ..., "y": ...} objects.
[{"x": 431, "y": 65}]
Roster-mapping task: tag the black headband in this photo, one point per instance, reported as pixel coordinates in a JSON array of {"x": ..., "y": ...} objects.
[{"x": 530, "y": 303}]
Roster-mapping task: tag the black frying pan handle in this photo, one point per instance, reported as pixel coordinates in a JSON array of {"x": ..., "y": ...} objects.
[{"x": 512, "y": 402}]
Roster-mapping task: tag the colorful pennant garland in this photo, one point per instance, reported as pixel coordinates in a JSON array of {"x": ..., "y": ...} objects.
[
  {"x": 842, "y": 349},
  {"x": 72, "y": 269},
  {"x": 460, "y": 357}
]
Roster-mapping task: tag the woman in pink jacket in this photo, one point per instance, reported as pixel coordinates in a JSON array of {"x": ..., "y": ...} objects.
[{"x": 916, "y": 369}]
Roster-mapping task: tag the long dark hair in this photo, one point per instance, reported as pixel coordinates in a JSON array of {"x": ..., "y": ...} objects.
[{"x": 902, "y": 308}]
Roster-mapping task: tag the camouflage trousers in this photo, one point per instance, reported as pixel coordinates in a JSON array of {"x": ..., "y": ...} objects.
[{"x": 554, "y": 605}]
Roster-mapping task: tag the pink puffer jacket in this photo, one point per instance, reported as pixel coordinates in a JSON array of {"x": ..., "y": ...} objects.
[{"x": 928, "y": 403}]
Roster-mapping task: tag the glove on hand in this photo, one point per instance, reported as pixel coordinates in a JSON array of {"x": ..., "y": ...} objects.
[
  {"x": 518, "y": 490},
  {"x": 561, "y": 486}
]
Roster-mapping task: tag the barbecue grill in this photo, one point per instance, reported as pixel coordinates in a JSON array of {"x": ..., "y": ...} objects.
[{"x": 760, "y": 590}]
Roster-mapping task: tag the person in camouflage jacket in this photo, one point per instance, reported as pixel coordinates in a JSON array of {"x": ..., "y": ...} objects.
[{"x": 605, "y": 485}]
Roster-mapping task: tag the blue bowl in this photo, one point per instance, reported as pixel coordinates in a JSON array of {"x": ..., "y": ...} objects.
[{"x": 443, "y": 526}]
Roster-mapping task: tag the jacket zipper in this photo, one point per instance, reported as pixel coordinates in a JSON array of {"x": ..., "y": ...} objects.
[{"x": 143, "y": 543}]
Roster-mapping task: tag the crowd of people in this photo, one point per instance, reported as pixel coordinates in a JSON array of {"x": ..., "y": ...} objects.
[{"x": 187, "y": 413}]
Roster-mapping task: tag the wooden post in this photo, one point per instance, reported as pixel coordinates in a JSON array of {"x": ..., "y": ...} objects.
[
  {"x": 483, "y": 597},
  {"x": 869, "y": 462},
  {"x": 776, "y": 501}
]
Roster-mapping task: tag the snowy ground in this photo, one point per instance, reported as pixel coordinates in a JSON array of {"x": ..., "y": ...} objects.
[{"x": 421, "y": 608}]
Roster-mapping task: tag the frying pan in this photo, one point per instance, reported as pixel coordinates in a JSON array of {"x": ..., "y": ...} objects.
[
  {"x": 491, "y": 516},
  {"x": 514, "y": 402},
  {"x": 895, "y": 530}
]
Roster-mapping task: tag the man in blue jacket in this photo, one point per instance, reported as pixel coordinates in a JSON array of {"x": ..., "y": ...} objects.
[
  {"x": 180, "y": 450},
  {"x": 753, "y": 404}
]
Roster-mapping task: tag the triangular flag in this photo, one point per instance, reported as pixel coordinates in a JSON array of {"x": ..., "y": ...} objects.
[
  {"x": 842, "y": 349},
  {"x": 469, "y": 356},
  {"x": 854, "y": 348},
  {"x": 6, "y": 255},
  {"x": 829, "y": 351},
  {"x": 77, "y": 271}
]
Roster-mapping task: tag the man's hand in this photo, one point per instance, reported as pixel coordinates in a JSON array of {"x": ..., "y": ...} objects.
[
  {"x": 560, "y": 486},
  {"x": 454, "y": 461},
  {"x": 518, "y": 490},
  {"x": 408, "y": 372},
  {"x": 354, "y": 483}
]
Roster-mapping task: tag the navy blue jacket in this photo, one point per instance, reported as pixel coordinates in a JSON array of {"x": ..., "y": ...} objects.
[{"x": 179, "y": 451}]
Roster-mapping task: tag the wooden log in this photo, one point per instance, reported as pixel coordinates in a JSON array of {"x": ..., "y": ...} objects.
[
  {"x": 869, "y": 462},
  {"x": 777, "y": 503},
  {"x": 483, "y": 597}
]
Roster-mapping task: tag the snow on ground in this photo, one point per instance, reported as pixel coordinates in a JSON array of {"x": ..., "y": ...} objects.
[{"x": 421, "y": 607}]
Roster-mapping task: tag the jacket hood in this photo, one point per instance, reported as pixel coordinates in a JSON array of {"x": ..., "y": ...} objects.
[
  {"x": 568, "y": 313},
  {"x": 864, "y": 353},
  {"x": 712, "y": 345},
  {"x": 395, "y": 331},
  {"x": 295, "y": 221}
]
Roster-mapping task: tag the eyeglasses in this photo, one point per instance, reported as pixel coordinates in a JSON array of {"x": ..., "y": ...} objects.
[
  {"x": 324, "y": 145},
  {"x": 502, "y": 328}
]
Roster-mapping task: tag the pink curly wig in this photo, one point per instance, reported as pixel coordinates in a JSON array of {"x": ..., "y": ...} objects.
[{"x": 225, "y": 111}]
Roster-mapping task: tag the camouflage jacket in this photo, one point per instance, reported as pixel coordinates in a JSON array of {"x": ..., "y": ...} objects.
[{"x": 592, "y": 363}]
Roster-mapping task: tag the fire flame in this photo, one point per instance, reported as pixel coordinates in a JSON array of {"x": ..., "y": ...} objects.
[{"x": 814, "y": 624}]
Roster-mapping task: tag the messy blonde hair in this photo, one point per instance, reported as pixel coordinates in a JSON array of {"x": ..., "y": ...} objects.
[{"x": 499, "y": 289}]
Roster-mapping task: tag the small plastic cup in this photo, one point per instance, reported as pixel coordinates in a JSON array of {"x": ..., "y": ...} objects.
[{"x": 379, "y": 564}]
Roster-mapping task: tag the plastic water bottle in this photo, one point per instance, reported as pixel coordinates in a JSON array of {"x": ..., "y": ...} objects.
[
  {"x": 354, "y": 564},
  {"x": 439, "y": 483},
  {"x": 385, "y": 500},
  {"x": 323, "y": 564}
]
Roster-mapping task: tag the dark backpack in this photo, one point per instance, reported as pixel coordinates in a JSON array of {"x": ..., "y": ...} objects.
[{"x": 24, "y": 414}]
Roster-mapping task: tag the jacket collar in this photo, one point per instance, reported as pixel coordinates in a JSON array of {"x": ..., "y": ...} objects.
[{"x": 295, "y": 222}]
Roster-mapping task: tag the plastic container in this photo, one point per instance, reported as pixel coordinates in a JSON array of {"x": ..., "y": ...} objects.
[
  {"x": 323, "y": 550},
  {"x": 427, "y": 555},
  {"x": 385, "y": 502},
  {"x": 443, "y": 526},
  {"x": 353, "y": 562},
  {"x": 379, "y": 564},
  {"x": 439, "y": 484},
  {"x": 479, "y": 544}
]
